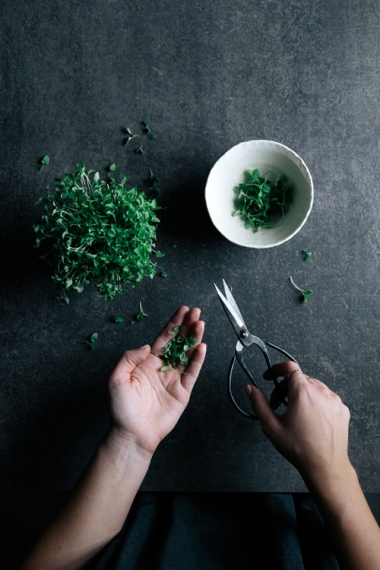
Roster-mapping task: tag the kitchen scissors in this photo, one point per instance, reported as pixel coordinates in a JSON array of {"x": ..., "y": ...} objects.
[{"x": 245, "y": 340}]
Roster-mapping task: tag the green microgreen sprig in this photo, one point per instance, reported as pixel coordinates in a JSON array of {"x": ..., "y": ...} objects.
[
  {"x": 305, "y": 293},
  {"x": 146, "y": 127},
  {"x": 153, "y": 180},
  {"x": 147, "y": 130},
  {"x": 45, "y": 161},
  {"x": 174, "y": 353},
  {"x": 258, "y": 201},
  {"x": 306, "y": 254},
  {"x": 118, "y": 319},
  {"x": 129, "y": 136},
  {"x": 97, "y": 229},
  {"x": 140, "y": 315}
]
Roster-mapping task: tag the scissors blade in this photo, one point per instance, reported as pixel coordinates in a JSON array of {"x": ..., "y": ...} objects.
[
  {"x": 234, "y": 318},
  {"x": 232, "y": 302}
]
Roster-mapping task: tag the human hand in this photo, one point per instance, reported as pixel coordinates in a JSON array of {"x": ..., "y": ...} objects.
[
  {"x": 146, "y": 403},
  {"x": 313, "y": 432}
]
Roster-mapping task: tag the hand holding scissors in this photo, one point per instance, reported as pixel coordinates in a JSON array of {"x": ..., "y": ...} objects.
[{"x": 245, "y": 340}]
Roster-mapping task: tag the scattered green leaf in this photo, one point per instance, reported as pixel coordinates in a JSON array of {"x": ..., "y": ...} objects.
[
  {"x": 112, "y": 168},
  {"x": 139, "y": 149},
  {"x": 118, "y": 319},
  {"x": 152, "y": 137},
  {"x": 153, "y": 179},
  {"x": 140, "y": 315},
  {"x": 97, "y": 229},
  {"x": 45, "y": 161},
  {"x": 92, "y": 340},
  {"x": 174, "y": 353},
  {"x": 305, "y": 293},
  {"x": 146, "y": 127},
  {"x": 129, "y": 136},
  {"x": 306, "y": 254},
  {"x": 258, "y": 201}
]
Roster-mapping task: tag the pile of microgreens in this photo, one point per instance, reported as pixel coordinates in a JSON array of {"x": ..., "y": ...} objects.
[
  {"x": 258, "y": 200},
  {"x": 174, "y": 353},
  {"x": 98, "y": 229}
]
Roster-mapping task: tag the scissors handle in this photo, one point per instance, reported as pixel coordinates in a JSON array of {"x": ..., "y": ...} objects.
[{"x": 238, "y": 356}]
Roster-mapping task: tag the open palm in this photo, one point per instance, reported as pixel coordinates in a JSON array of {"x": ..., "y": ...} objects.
[{"x": 146, "y": 403}]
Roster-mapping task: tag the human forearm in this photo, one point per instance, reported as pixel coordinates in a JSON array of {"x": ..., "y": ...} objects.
[
  {"x": 313, "y": 435},
  {"x": 348, "y": 518},
  {"x": 97, "y": 509}
]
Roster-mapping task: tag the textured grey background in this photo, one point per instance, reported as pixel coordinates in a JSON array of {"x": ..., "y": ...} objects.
[{"x": 205, "y": 75}]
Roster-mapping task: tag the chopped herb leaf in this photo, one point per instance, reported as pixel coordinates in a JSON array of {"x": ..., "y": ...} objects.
[
  {"x": 140, "y": 315},
  {"x": 139, "y": 149},
  {"x": 152, "y": 137},
  {"x": 93, "y": 339},
  {"x": 45, "y": 161},
  {"x": 118, "y": 319},
  {"x": 112, "y": 168},
  {"x": 146, "y": 127},
  {"x": 258, "y": 201},
  {"x": 153, "y": 179},
  {"x": 306, "y": 254},
  {"x": 305, "y": 293},
  {"x": 100, "y": 230},
  {"x": 174, "y": 353},
  {"x": 129, "y": 136}
]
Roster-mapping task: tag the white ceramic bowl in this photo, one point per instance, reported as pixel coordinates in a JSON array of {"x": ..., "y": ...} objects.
[{"x": 272, "y": 159}]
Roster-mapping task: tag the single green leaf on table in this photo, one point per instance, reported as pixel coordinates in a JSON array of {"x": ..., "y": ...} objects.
[
  {"x": 147, "y": 130},
  {"x": 153, "y": 179},
  {"x": 112, "y": 167},
  {"x": 139, "y": 149},
  {"x": 140, "y": 315},
  {"x": 306, "y": 254},
  {"x": 174, "y": 353},
  {"x": 129, "y": 136},
  {"x": 45, "y": 161},
  {"x": 305, "y": 293},
  {"x": 93, "y": 339},
  {"x": 118, "y": 319},
  {"x": 146, "y": 127}
]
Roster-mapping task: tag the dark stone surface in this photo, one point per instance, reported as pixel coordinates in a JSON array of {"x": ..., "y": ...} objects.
[{"x": 206, "y": 75}]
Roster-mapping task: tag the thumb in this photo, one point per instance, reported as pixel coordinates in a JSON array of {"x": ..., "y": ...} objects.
[
  {"x": 134, "y": 357},
  {"x": 262, "y": 409}
]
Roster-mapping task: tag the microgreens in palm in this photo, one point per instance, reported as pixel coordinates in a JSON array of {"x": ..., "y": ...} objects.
[
  {"x": 174, "y": 353},
  {"x": 258, "y": 201},
  {"x": 305, "y": 293},
  {"x": 97, "y": 229}
]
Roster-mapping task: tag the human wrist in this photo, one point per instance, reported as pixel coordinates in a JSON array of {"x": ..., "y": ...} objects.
[
  {"x": 122, "y": 447},
  {"x": 332, "y": 480}
]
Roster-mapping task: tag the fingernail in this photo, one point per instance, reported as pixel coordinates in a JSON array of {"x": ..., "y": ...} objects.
[
  {"x": 145, "y": 346},
  {"x": 248, "y": 389}
]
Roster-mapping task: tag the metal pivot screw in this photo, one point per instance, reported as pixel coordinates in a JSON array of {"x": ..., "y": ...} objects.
[{"x": 244, "y": 333}]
